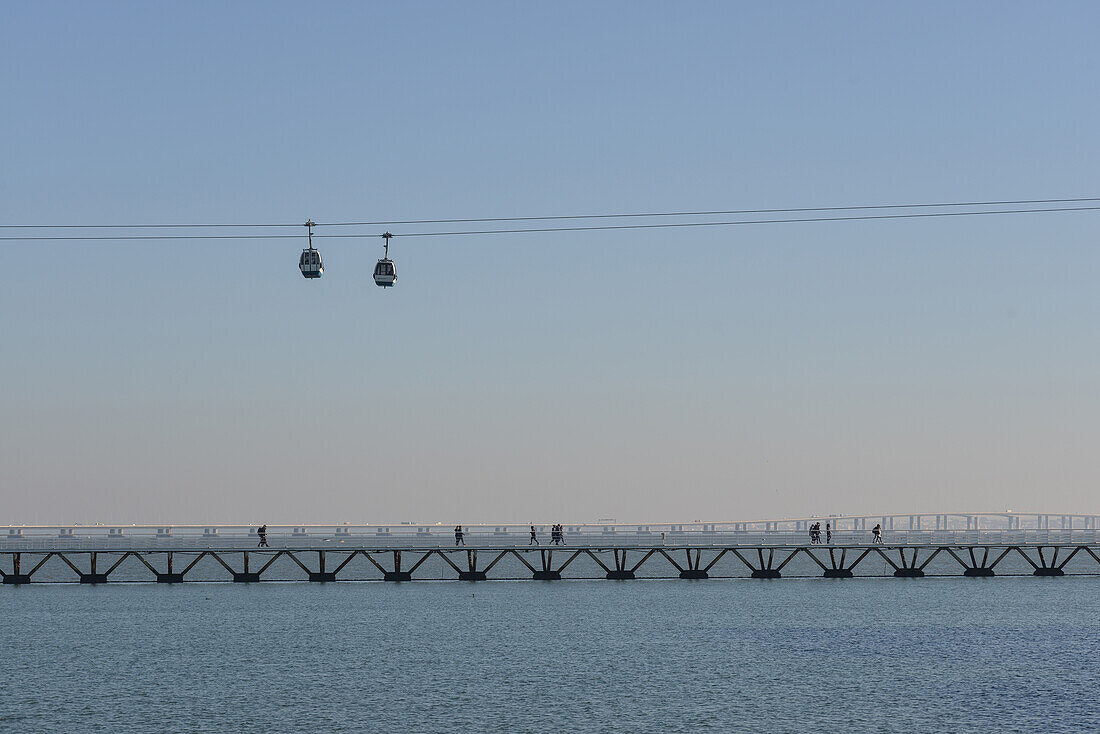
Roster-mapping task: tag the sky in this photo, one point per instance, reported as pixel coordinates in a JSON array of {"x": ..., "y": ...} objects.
[{"x": 717, "y": 374}]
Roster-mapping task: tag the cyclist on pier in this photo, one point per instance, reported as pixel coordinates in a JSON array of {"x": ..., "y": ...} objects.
[
  {"x": 262, "y": 532},
  {"x": 534, "y": 538},
  {"x": 459, "y": 537}
]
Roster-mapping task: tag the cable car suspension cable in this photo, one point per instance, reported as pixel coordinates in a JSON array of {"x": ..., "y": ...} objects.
[
  {"x": 715, "y": 212},
  {"x": 581, "y": 228},
  {"x": 667, "y": 225},
  {"x": 638, "y": 215}
]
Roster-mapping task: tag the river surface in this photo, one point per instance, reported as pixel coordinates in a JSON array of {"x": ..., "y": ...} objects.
[{"x": 863, "y": 655}]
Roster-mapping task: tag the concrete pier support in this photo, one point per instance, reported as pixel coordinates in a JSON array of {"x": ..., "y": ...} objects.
[
  {"x": 838, "y": 573},
  {"x": 978, "y": 567},
  {"x": 246, "y": 576},
  {"x": 911, "y": 567},
  {"x": 839, "y": 566},
  {"x": 976, "y": 573},
  {"x": 396, "y": 574},
  {"x": 621, "y": 572},
  {"x": 908, "y": 573},
  {"x": 1049, "y": 565},
  {"x": 169, "y": 577},
  {"x": 693, "y": 568},
  {"x": 321, "y": 575},
  {"x": 765, "y": 568},
  {"x": 17, "y": 577},
  {"x": 472, "y": 573},
  {"x": 546, "y": 572},
  {"x": 94, "y": 576}
]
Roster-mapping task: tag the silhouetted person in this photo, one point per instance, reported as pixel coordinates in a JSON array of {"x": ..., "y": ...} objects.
[
  {"x": 561, "y": 534},
  {"x": 877, "y": 532},
  {"x": 828, "y": 533},
  {"x": 262, "y": 532},
  {"x": 459, "y": 538},
  {"x": 534, "y": 538}
]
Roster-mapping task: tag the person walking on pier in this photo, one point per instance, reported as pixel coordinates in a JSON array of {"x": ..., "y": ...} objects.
[
  {"x": 262, "y": 532},
  {"x": 459, "y": 536},
  {"x": 561, "y": 534},
  {"x": 534, "y": 538},
  {"x": 553, "y": 535},
  {"x": 828, "y": 534},
  {"x": 876, "y": 531}
]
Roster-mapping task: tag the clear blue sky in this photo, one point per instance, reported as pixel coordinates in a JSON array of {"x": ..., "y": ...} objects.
[{"x": 705, "y": 373}]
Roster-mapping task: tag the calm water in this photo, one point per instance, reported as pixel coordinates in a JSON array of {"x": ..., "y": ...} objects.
[{"x": 878, "y": 655}]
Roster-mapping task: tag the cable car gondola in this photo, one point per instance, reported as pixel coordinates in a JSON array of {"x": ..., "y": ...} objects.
[
  {"x": 310, "y": 262},
  {"x": 385, "y": 272}
]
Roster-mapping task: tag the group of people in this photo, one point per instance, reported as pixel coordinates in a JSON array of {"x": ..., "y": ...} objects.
[
  {"x": 815, "y": 533},
  {"x": 557, "y": 535}
]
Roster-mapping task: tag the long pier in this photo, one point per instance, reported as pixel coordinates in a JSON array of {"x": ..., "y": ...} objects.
[
  {"x": 245, "y": 563},
  {"x": 967, "y": 544}
]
